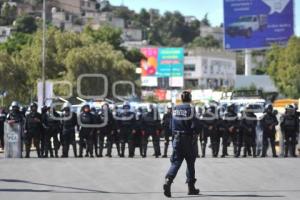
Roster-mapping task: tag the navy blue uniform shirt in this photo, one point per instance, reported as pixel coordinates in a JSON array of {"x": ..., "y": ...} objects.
[{"x": 183, "y": 119}]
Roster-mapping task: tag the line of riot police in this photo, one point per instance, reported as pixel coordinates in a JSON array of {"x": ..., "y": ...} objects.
[
  {"x": 106, "y": 127},
  {"x": 240, "y": 129}
]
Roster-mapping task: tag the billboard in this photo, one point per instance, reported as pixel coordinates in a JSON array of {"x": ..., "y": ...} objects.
[
  {"x": 162, "y": 63},
  {"x": 257, "y": 23}
]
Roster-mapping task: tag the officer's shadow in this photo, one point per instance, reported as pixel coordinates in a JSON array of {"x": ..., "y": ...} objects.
[
  {"x": 230, "y": 196},
  {"x": 68, "y": 189}
]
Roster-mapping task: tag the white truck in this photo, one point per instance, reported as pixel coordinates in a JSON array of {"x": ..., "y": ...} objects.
[{"x": 246, "y": 25}]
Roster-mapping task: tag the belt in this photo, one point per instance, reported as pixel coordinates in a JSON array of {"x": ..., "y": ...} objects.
[{"x": 182, "y": 134}]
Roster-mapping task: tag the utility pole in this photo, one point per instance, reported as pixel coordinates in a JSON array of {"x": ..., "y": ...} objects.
[{"x": 44, "y": 52}]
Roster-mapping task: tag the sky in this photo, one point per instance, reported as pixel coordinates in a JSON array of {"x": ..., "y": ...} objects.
[{"x": 197, "y": 8}]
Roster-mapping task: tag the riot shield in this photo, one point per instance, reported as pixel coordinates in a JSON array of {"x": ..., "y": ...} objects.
[
  {"x": 13, "y": 140},
  {"x": 259, "y": 139}
]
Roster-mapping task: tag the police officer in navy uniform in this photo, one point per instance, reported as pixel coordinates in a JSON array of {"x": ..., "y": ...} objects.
[
  {"x": 107, "y": 119},
  {"x": 87, "y": 130},
  {"x": 15, "y": 115},
  {"x": 209, "y": 121},
  {"x": 221, "y": 129},
  {"x": 167, "y": 129},
  {"x": 52, "y": 129},
  {"x": 97, "y": 121},
  {"x": 231, "y": 122},
  {"x": 114, "y": 137},
  {"x": 68, "y": 123},
  {"x": 137, "y": 136},
  {"x": 184, "y": 144},
  {"x": 126, "y": 128},
  {"x": 2, "y": 120},
  {"x": 248, "y": 129},
  {"x": 268, "y": 123},
  {"x": 151, "y": 127},
  {"x": 290, "y": 127},
  {"x": 33, "y": 130}
]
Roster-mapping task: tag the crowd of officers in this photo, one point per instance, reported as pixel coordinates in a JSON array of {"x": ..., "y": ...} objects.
[{"x": 100, "y": 129}]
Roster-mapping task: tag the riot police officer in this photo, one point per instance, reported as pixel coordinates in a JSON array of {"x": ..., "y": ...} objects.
[
  {"x": 68, "y": 123},
  {"x": 209, "y": 121},
  {"x": 106, "y": 117},
  {"x": 137, "y": 136},
  {"x": 151, "y": 127},
  {"x": 184, "y": 144},
  {"x": 231, "y": 129},
  {"x": 114, "y": 137},
  {"x": 52, "y": 129},
  {"x": 97, "y": 134},
  {"x": 15, "y": 116},
  {"x": 290, "y": 127},
  {"x": 86, "y": 134},
  {"x": 199, "y": 127},
  {"x": 221, "y": 129},
  {"x": 43, "y": 135},
  {"x": 167, "y": 129},
  {"x": 126, "y": 128},
  {"x": 33, "y": 130},
  {"x": 248, "y": 129},
  {"x": 269, "y": 123},
  {"x": 2, "y": 120}
]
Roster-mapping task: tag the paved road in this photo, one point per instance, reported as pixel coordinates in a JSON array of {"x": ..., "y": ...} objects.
[{"x": 116, "y": 178}]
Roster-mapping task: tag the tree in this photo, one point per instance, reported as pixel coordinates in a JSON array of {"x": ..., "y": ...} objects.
[
  {"x": 284, "y": 67},
  {"x": 68, "y": 55},
  {"x": 104, "y": 34},
  {"x": 12, "y": 79},
  {"x": 26, "y": 24},
  {"x": 98, "y": 59},
  {"x": 205, "y": 21},
  {"x": 15, "y": 42},
  {"x": 205, "y": 42}
]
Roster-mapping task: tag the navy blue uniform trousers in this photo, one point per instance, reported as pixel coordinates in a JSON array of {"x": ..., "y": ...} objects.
[{"x": 184, "y": 148}]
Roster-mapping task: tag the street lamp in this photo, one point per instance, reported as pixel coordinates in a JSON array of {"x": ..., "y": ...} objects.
[{"x": 44, "y": 52}]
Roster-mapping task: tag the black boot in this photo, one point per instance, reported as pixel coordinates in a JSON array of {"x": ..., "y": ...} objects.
[
  {"x": 245, "y": 152},
  {"x": 109, "y": 150},
  {"x": 286, "y": 151},
  {"x": 254, "y": 151},
  {"x": 118, "y": 149},
  {"x": 165, "y": 151},
  {"x": 75, "y": 150},
  {"x": 167, "y": 187},
  {"x": 264, "y": 151},
  {"x": 192, "y": 189},
  {"x": 101, "y": 145},
  {"x": 122, "y": 150},
  {"x": 203, "y": 148},
  {"x": 294, "y": 151}
]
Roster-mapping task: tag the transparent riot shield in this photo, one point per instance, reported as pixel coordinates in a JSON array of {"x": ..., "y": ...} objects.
[
  {"x": 13, "y": 140},
  {"x": 259, "y": 139}
]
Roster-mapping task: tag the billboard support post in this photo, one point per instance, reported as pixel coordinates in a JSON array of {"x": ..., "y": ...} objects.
[{"x": 248, "y": 62}]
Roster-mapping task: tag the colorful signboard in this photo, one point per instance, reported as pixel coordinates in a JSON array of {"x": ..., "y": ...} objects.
[{"x": 162, "y": 63}]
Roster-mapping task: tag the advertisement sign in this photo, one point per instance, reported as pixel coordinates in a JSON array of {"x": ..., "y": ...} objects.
[
  {"x": 170, "y": 62},
  {"x": 162, "y": 63},
  {"x": 257, "y": 23}
]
